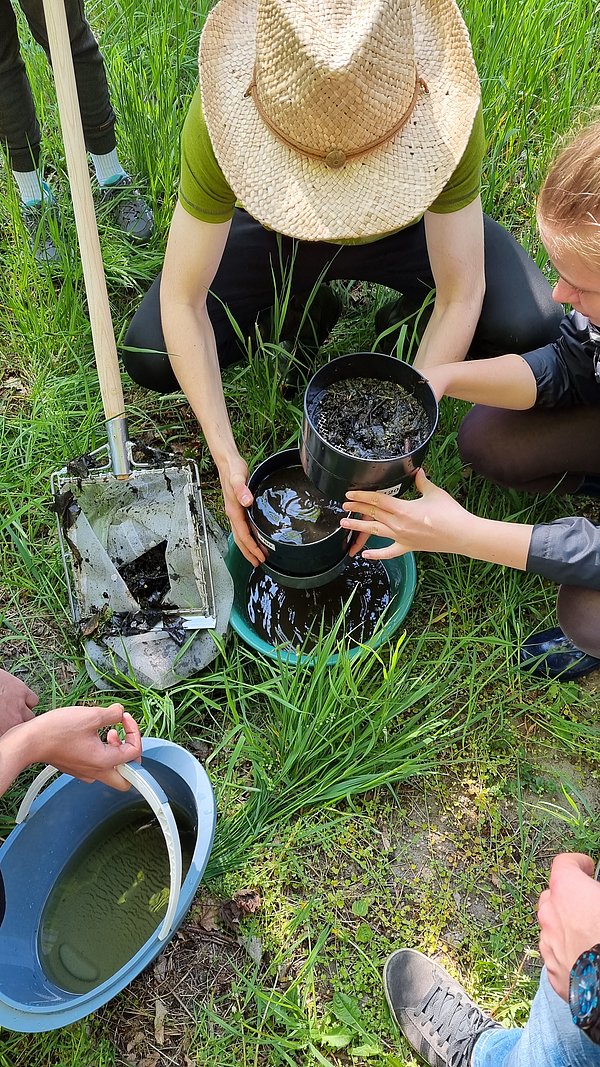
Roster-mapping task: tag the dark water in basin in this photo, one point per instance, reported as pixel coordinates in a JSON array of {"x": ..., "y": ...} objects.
[
  {"x": 288, "y": 508},
  {"x": 109, "y": 900},
  {"x": 291, "y": 617}
]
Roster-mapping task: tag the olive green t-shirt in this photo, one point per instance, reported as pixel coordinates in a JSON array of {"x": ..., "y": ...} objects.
[{"x": 205, "y": 193}]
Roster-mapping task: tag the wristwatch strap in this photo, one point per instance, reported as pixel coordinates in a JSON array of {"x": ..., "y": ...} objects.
[{"x": 593, "y": 1032}]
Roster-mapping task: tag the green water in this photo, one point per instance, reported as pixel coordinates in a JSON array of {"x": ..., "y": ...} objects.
[{"x": 109, "y": 900}]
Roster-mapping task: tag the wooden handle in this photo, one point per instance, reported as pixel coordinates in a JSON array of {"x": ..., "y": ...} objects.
[{"x": 105, "y": 349}]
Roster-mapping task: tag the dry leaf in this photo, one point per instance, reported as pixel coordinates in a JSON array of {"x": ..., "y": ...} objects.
[
  {"x": 208, "y": 917},
  {"x": 160, "y": 1015},
  {"x": 248, "y": 900},
  {"x": 138, "y": 1039}
]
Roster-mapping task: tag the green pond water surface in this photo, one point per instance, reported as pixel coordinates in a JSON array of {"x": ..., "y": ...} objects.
[{"x": 109, "y": 899}]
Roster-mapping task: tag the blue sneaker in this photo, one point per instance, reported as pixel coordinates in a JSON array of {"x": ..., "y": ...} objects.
[
  {"x": 127, "y": 208},
  {"x": 551, "y": 654}
]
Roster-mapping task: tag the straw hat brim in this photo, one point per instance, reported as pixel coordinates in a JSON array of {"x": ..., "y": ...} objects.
[{"x": 370, "y": 195}]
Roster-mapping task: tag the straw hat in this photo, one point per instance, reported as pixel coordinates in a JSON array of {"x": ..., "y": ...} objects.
[{"x": 336, "y": 119}]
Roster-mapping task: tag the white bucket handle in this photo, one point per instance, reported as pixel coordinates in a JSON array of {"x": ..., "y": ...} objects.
[{"x": 157, "y": 799}]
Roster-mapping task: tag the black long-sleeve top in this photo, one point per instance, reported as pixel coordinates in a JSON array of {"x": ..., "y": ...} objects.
[{"x": 567, "y": 374}]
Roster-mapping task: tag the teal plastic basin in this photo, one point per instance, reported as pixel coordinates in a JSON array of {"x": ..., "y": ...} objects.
[{"x": 402, "y": 573}]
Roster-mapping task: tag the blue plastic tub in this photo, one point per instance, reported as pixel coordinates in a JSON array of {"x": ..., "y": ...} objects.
[{"x": 60, "y": 821}]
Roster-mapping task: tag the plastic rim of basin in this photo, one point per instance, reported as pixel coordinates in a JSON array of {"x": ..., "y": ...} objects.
[
  {"x": 402, "y": 571},
  {"x": 30, "y": 1002}
]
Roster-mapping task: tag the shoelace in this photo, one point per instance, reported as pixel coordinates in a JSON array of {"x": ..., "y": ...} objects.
[{"x": 456, "y": 1022}]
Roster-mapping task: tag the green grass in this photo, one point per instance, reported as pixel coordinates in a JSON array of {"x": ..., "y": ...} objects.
[{"x": 413, "y": 797}]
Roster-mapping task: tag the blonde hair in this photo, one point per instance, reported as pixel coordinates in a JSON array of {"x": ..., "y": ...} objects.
[{"x": 569, "y": 200}]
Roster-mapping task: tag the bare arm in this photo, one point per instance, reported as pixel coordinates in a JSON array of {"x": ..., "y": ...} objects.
[
  {"x": 194, "y": 251},
  {"x": 503, "y": 382},
  {"x": 455, "y": 246},
  {"x": 436, "y": 523}
]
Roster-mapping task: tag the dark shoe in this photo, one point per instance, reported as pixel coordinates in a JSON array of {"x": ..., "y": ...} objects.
[
  {"x": 323, "y": 312},
  {"x": 305, "y": 338},
  {"x": 433, "y": 1011},
  {"x": 590, "y": 486},
  {"x": 127, "y": 208},
  {"x": 391, "y": 317},
  {"x": 39, "y": 220},
  {"x": 551, "y": 654}
]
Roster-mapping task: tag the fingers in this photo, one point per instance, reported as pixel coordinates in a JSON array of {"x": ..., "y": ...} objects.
[
  {"x": 246, "y": 544},
  {"x": 239, "y": 524},
  {"x": 31, "y": 699},
  {"x": 368, "y": 503},
  {"x": 115, "y": 780},
  {"x": 112, "y": 738},
  {"x": 422, "y": 483},
  {"x": 242, "y": 493},
  {"x": 106, "y": 716},
  {"x": 366, "y": 527},
  {"x": 131, "y": 748},
  {"x": 389, "y": 552},
  {"x": 357, "y": 544},
  {"x": 568, "y": 860}
]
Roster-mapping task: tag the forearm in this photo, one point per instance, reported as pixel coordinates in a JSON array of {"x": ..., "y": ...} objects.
[
  {"x": 449, "y": 332},
  {"x": 15, "y": 752},
  {"x": 192, "y": 351},
  {"x": 503, "y": 382},
  {"x": 494, "y": 541}
]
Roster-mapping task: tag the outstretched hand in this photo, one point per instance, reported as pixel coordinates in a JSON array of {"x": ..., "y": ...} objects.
[
  {"x": 569, "y": 917},
  {"x": 17, "y": 701},
  {"x": 434, "y": 523},
  {"x": 68, "y": 739}
]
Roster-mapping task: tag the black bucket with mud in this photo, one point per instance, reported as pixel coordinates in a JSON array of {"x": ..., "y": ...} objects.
[{"x": 368, "y": 422}]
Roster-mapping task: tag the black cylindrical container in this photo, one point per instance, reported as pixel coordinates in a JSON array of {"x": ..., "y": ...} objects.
[
  {"x": 306, "y": 564},
  {"x": 335, "y": 472}
]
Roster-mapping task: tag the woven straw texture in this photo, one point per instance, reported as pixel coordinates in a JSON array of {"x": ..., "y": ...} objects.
[{"x": 336, "y": 76}]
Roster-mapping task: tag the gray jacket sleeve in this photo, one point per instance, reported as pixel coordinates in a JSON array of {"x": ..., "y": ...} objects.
[
  {"x": 565, "y": 370},
  {"x": 566, "y": 551}
]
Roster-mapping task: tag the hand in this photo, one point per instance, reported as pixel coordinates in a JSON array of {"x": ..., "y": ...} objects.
[
  {"x": 238, "y": 499},
  {"x": 569, "y": 917},
  {"x": 68, "y": 739},
  {"x": 435, "y": 523},
  {"x": 17, "y": 701}
]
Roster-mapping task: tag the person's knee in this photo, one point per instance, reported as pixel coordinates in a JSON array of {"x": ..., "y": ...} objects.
[
  {"x": 151, "y": 369},
  {"x": 578, "y": 611},
  {"x": 475, "y": 443},
  {"x": 144, "y": 351},
  {"x": 489, "y": 443},
  {"x": 518, "y": 312}
]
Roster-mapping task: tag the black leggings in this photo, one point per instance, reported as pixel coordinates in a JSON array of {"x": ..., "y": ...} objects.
[
  {"x": 518, "y": 311},
  {"x": 19, "y": 127},
  {"x": 541, "y": 450}
]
